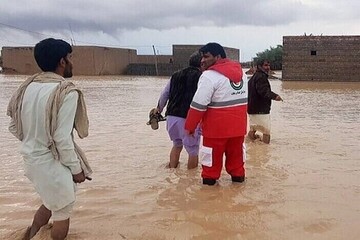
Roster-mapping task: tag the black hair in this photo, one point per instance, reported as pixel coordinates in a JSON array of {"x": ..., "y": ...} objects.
[
  {"x": 213, "y": 48},
  {"x": 195, "y": 59},
  {"x": 49, "y": 52},
  {"x": 261, "y": 61}
]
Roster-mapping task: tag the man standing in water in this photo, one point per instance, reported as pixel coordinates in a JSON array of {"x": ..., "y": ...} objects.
[
  {"x": 179, "y": 92},
  {"x": 220, "y": 105},
  {"x": 44, "y": 110},
  {"x": 260, "y": 96}
]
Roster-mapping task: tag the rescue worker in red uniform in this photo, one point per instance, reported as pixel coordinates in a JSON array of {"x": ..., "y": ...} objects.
[{"x": 220, "y": 106}]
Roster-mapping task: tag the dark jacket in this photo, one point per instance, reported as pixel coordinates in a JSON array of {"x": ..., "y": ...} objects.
[
  {"x": 260, "y": 94},
  {"x": 183, "y": 85}
]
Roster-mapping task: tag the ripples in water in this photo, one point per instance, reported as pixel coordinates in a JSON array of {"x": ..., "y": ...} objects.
[{"x": 304, "y": 185}]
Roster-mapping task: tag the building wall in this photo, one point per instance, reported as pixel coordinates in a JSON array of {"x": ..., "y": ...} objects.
[
  {"x": 88, "y": 60},
  {"x": 180, "y": 59},
  {"x": 146, "y": 69},
  {"x": 232, "y": 53},
  {"x": 150, "y": 59},
  {"x": 92, "y": 60},
  {"x": 321, "y": 58},
  {"x": 19, "y": 60},
  {"x": 181, "y": 53}
]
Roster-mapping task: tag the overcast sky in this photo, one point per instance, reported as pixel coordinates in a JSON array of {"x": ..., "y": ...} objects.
[{"x": 251, "y": 26}]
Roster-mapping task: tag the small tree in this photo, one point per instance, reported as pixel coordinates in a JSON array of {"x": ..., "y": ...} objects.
[{"x": 274, "y": 55}]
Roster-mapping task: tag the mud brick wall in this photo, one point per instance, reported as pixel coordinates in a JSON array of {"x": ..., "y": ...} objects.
[
  {"x": 93, "y": 60},
  {"x": 102, "y": 60},
  {"x": 19, "y": 60},
  {"x": 87, "y": 60},
  {"x": 180, "y": 59},
  {"x": 321, "y": 58}
]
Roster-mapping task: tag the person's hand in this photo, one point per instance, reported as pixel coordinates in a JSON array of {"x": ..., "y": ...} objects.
[
  {"x": 79, "y": 178},
  {"x": 189, "y": 133},
  {"x": 278, "y": 98}
]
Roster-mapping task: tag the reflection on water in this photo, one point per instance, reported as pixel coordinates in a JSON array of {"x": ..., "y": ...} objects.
[{"x": 304, "y": 185}]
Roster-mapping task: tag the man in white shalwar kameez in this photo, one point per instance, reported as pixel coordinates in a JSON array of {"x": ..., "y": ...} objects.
[{"x": 51, "y": 159}]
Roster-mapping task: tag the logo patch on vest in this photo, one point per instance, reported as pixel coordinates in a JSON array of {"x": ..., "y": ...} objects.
[{"x": 237, "y": 86}]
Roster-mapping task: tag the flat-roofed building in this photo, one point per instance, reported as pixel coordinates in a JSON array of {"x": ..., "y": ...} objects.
[
  {"x": 321, "y": 58},
  {"x": 88, "y": 60},
  {"x": 94, "y": 60}
]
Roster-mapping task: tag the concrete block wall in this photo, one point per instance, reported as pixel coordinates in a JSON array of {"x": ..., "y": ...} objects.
[{"x": 321, "y": 58}]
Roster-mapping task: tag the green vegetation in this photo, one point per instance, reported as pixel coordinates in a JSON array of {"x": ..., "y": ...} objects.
[{"x": 274, "y": 55}]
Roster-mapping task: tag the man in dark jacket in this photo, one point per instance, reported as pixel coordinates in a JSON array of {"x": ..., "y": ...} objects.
[
  {"x": 259, "y": 101},
  {"x": 178, "y": 94}
]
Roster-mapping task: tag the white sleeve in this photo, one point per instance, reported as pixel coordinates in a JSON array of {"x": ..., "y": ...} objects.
[
  {"x": 205, "y": 91},
  {"x": 63, "y": 134}
]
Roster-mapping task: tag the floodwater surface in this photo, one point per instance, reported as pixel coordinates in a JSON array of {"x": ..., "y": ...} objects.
[{"x": 304, "y": 185}]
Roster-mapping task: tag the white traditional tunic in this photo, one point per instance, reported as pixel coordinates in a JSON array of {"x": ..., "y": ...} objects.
[{"x": 52, "y": 178}]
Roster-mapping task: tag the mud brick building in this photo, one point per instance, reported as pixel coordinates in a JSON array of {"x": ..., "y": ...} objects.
[
  {"x": 94, "y": 60},
  {"x": 321, "y": 58},
  {"x": 168, "y": 64}
]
